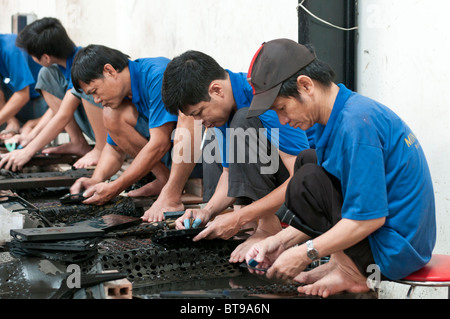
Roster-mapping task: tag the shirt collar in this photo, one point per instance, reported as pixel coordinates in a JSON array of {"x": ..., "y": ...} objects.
[
  {"x": 134, "y": 75},
  {"x": 242, "y": 91},
  {"x": 70, "y": 59},
  {"x": 341, "y": 98}
]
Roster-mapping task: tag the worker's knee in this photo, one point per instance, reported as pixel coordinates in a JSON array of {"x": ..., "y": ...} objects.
[
  {"x": 305, "y": 157},
  {"x": 120, "y": 119}
]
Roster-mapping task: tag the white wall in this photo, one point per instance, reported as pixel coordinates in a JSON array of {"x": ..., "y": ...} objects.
[
  {"x": 403, "y": 51},
  {"x": 231, "y": 31},
  {"x": 403, "y": 62}
]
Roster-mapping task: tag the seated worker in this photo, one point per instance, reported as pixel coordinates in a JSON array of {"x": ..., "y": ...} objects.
[
  {"x": 195, "y": 84},
  {"x": 20, "y": 105},
  {"x": 47, "y": 42},
  {"x": 364, "y": 196},
  {"x": 134, "y": 115}
]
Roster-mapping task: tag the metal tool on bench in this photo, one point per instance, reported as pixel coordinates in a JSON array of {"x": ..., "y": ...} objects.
[
  {"x": 110, "y": 222},
  {"x": 68, "y": 244},
  {"x": 56, "y": 233},
  {"x": 72, "y": 198},
  {"x": 173, "y": 215},
  {"x": 252, "y": 265}
]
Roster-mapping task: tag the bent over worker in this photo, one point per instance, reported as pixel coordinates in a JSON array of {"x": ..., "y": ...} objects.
[
  {"x": 47, "y": 41},
  {"x": 195, "y": 84},
  {"x": 365, "y": 196},
  {"x": 134, "y": 116},
  {"x": 21, "y": 106}
]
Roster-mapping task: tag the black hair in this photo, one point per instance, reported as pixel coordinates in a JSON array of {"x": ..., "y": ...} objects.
[
  {"x": 316, "y": 70},
  {"x": 46, "y": 36},
  {"x": 89, "y": 63},
  {"x": 187, "y": 78}
]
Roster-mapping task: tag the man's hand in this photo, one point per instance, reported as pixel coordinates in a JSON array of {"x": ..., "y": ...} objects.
[
  {"x": 15, "y": 160},
  {"x": 265, "y": 253},
  {"x": 201, "y": 215},
  {"x": 82, "y": 184},
  {"x": 223, "y": 226},
  {"x": 100, "y": 194},
  {"x": 289, "y": 264}
]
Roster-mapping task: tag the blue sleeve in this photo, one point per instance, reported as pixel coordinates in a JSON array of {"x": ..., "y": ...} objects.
[
  {"x": 157, "y": 112},
  {"x": 18, "y": 71},
  {"x": 362, "y": 172},
  {"x": 291, "y": 141}
]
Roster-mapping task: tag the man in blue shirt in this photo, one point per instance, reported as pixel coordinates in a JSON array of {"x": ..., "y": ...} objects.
[
  {"x": 134, "y": 115},
  {"x": 249, "y": 167},
  {"x": 365, "y": 196},
  {"x": 19, "y": 102},
  {"x": 48, "y": 43}
]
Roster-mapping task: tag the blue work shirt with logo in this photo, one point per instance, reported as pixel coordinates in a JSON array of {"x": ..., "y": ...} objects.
[
  {"x": 16, "y": 66},
  {"x": 383, "y": 173}
]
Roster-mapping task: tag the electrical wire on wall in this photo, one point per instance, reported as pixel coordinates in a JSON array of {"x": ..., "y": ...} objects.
[{"x": 300, "y": 5}]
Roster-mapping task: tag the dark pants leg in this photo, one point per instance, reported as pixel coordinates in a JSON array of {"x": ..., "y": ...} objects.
[
  {"x": 246, "y": 181},
  {"x": 315, "y": 198}
]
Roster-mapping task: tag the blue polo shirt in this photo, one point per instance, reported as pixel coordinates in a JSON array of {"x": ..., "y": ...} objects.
[
  {"x": 67, "y": 71},
  {"x": 146, "y": 82},
  {"x": 383, "y": 173},
  {"x": 17, "y": 66},
  {"x": 290, "y": 140}
]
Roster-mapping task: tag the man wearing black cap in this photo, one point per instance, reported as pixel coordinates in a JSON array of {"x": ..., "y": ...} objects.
[{"x": 364, "y": 196}]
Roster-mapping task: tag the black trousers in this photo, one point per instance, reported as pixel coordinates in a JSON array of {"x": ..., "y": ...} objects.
[
  {"x": 246, "y": 182},
  {"x": 315, "y": 199}
]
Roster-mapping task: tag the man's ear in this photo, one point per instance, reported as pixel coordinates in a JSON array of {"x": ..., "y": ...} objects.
[
  {"x": 109, "y": 71},
  {"x": 46, "y": 58},
  {"x": 215, "y": 88},
  {"x": 305, "y": 85}
]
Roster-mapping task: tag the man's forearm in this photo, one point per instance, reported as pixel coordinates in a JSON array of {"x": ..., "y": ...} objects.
[
  {"x": 110, "y": 162},
  {"x": 220, "y": 200},
  {"x": 345, "y": 234},
  {"x": 264, "y": 207},
  {"x": 14, "y": 105},
  {"x": 143, "y": 164},
  {"x": 291, "y": 236},
  {"x": 45, "y": 119},
  {"x": 56, "y": 124}
]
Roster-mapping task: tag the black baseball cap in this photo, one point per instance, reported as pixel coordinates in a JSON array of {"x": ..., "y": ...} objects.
[{"x": 273, "y": 63}]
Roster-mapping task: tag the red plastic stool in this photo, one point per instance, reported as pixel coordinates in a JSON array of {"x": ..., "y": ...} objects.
[{"x": 434, "y": 274}]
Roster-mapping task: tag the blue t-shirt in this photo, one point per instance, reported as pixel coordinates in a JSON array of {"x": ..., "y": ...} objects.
[
  {"x": 17, "y": 66},
  {"x": 67, "y": 71},
  {"x": 146, "y": 82},
  {"x": 290, "y": 140},
  {"x": 383, "y": 173}
]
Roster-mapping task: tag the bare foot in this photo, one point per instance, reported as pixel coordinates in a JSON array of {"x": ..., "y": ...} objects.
[
  {"x": 90, "y": 159},
  {"x": 151, "y": 189},
  {"x": 238, "y": 255},
  {"x": 344, "y": 277},
  {"x": 267, "y": 227},
  {"x": 156, "y": 212},
  {"x": 68, "y": 148},
  {"x": 8, "y": 134},
  {"x": 13, "y": 126},
  {"x": 313, "y": 275}
]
